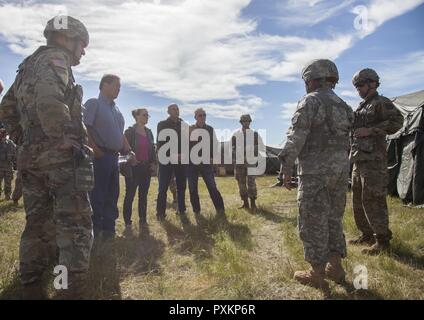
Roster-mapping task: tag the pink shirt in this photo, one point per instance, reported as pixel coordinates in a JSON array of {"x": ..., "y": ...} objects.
[{"x": 143, "y": 148}]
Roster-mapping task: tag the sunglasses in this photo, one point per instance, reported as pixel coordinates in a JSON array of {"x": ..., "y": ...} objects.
[{"x": 360, "y": 85}]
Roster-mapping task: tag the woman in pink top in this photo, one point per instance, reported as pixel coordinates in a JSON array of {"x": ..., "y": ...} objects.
[{"x": 138, "y": 174}]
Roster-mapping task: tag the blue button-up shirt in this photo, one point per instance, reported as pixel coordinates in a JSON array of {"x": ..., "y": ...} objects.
[{"x": 105, "y": 122}]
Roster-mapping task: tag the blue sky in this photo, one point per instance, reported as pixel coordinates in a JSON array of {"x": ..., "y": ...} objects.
[{"x": 230, "y": 57}]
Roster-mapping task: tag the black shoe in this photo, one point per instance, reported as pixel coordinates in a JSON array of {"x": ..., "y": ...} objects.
[
  {"x": 253, "y": 204},
  {"x": 245, "y": 204}
]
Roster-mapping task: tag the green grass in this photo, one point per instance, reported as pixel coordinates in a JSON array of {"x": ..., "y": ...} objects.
[{"x": 245, "y": 256}]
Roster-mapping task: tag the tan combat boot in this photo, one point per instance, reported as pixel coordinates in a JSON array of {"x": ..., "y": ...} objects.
[
  {"x": 315, "y": 278},
  {"x": 377, "y": 248},
  {"x": 334, "y": 269}
]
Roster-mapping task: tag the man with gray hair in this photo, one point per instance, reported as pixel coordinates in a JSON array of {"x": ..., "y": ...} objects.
[{"x": 202, "y": 167}]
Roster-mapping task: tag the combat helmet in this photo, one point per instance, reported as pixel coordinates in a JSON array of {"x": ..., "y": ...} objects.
[
  {"x": 320, "y": 69},
  {"x": 67, "y": 26},
  {"x": 365, "y": 75}
]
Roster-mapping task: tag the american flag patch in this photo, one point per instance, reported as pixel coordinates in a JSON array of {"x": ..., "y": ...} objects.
[{"x": 59, "y": 63}]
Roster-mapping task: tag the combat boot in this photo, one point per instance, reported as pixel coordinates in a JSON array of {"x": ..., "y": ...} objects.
[
  {"x": 245, "y": 204},
  {"x": 377, "y": 248},
  {"x": 362, "y": 239},
  {"x": 34, "y": 291},
  {"x": 334, "y": 269},
  {"x": 253, "y": 204},
  {"x": 315, "y": 278}
]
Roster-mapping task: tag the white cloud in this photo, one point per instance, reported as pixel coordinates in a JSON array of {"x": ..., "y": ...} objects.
[
  {"x": 190, "y": 51},
  {"x": 349, "y": 94},
  {"x": 403, "y": 75},
  {"x": 380, "y": 11},
  {"x": 310, "y": 12}
]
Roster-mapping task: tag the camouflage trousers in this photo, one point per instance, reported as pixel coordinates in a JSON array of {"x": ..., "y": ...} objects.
[
  {"x": 7, "y": 176},
  {"x": 57, "y": 216},
  {"x": 246, "y": 183},
  {"x": 17, "y": 192},
  {"x": 369, "y": 191},
  {"x": 322, "y": 201}
]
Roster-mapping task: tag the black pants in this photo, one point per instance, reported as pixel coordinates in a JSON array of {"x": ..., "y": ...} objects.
[{"x": 141, "y": 177}]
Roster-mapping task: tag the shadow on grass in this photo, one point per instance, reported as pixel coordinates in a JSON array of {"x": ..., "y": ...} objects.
[
  {"x": 8, "y": 206},
  {"x": 104, "y": 276},
  {"x": 240, "y": 234},
  {"x": 189, "y": 239},
  {"x": 405, "y": 255},
  {"x": 199, "y": 239},
  {"x": 12, "y": 290},
  {"x": 271, "y": 216},
  {"x": 356, "y": 295}
]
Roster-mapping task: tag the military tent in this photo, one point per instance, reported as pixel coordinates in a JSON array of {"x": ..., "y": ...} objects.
[{"x": 406, "y": 151}]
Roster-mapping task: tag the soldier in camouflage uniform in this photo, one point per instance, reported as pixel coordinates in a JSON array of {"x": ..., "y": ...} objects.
[
  {"x": 44, "y": 107},
  {"x": 7, "y": 156},
  {"x": 375, "y": 118},
  {"x": 319, "y": 138},
  {"x": 246, "y": 183}
]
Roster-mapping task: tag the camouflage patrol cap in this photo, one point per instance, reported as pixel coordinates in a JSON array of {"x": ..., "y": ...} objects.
[
  {"x": 365, "y": 75},
  {"x": 69, "y": 27},
  {"x": 246, "y": 117},
  {"x": 320, "y": 68}
]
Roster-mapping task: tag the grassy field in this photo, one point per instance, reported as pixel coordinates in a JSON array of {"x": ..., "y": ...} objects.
[{"x": 245, "y": 256}]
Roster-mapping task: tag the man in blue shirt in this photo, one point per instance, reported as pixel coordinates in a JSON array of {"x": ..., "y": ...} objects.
[{"x": 105, "y": 126}]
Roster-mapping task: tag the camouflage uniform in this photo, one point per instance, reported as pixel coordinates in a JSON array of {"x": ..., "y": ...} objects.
[
  {"x": 246, "y": 183},
  {"x": 319, "y": 138},
  {"x": 17, "y": 192},
  {"x": 369, "y": 156},
  {"x": 7, "y": 156},
  {"x": 45, "y": 105}
]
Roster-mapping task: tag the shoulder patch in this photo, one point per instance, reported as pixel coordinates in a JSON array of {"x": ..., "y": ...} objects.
[{"x": 61, "y": 63}]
